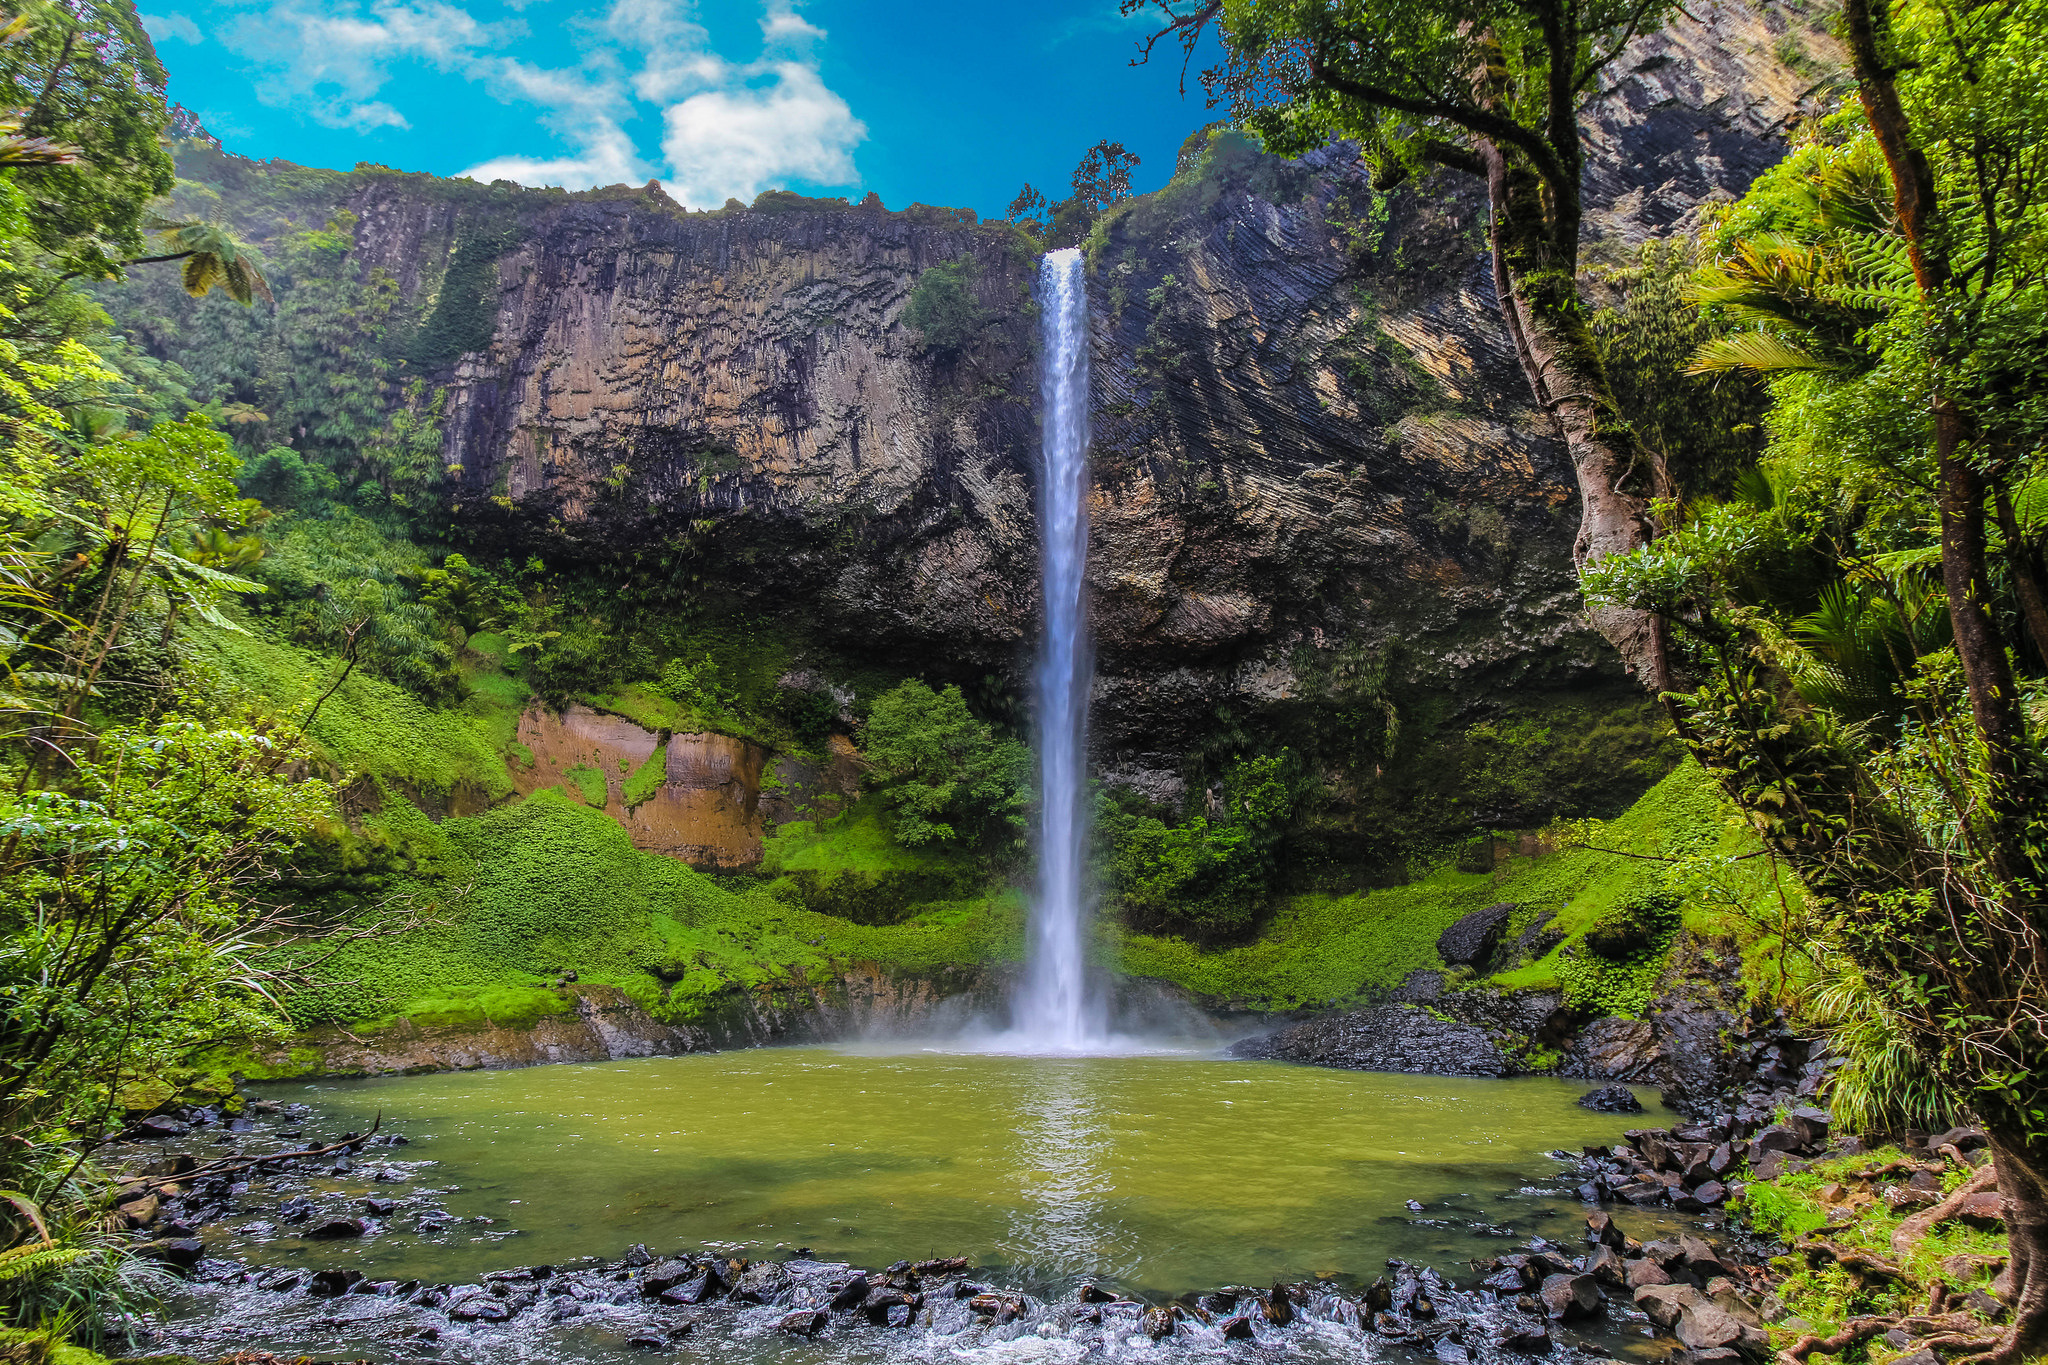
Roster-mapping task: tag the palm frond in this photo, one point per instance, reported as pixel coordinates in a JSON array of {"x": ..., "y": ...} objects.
[{"x": 1762, "y": 352}]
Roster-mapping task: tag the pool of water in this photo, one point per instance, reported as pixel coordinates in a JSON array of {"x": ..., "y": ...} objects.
[{"x": 1158, "y": 1174}]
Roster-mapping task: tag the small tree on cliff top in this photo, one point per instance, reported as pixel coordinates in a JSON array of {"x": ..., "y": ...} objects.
[{"x": 1490, "y": 88}]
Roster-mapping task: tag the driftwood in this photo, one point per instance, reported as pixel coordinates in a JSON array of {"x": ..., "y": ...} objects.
[
  {"x": 1909, "y": 1233},
  {"x": 229, "y": 1165}
]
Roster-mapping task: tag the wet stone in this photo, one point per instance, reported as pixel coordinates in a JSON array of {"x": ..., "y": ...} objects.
[
  {"x": 1611, "y": 1099},
  {"x": 1566, "y": 1298},
  {"x": 807, "y": 1323},
  {"x": 1237, "y": 1328}
]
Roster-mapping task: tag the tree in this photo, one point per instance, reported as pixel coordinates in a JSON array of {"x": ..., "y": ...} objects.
[
  {"x": 948, "y": 775},
  {"x": 1489, "y": 88},
  {"x": 1862, "y": 615},
  {"x": 85, "y": 75},
  {"x": 1103, "y": 176}
]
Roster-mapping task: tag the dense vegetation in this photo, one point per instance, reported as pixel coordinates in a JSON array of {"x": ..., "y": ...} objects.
[{"x": 261, "y": 714}]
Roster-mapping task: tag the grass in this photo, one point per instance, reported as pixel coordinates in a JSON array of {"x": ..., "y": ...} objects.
[
  {"x": 1823, "y": 1298},
  {"x": 1323, "y": 951},
  {"x": 517, "y": 895},
  {"x": 368, "y": 725}
]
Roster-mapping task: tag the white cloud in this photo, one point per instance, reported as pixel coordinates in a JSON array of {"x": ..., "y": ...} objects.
[
  {"x": 735, "y": 143},
  {"x": 165, "y": 26},
  {"x": 583, "y": 111},
  {"x": 729, "y": 128},
  {"x": 329, "y": 63}
]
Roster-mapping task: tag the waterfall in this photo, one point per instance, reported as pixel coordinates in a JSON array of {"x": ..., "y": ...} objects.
[{"x": 1057, "y": 1009}]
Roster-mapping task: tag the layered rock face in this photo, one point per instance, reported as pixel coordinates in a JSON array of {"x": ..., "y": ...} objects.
[{"x": 1319, "y": 478}]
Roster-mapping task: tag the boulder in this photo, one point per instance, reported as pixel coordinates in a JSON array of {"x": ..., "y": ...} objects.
[
  {"x": 1567, "y": 1298},
  {"x": 1238, "y": 1328},
  {"x": 1606, "y": 1266},
  {"x": 1662, "y": 1303},
  {"x": 1811, "y": 1125},
  {"x": 380, "y": 1208},
  {"x": 1779, "y": 1137},
  {"x": 1644, "y": 1272},
  {"x": 327, "y": 1284},
  {"x": 855, "y": 1292},
  {"x": 157, "y": 1127},
  {"x": 182, "y": 1252},
  {"x": 1277, "y": 1306},
  {"x": 665, "y": 1275},
  {"x": 1473, "y": 940},
  {"x": 1984, "y": 1211},
  {"x": 1962, "y": 1139},
  {"x": 1601, "y": 1228},
  {"x": 1611, "y": 1099},
  {"x": 1527, "y": 1341},
  {"x": 481, "y": 1308},
  {"x": 701, "y": 1288},
  {"x": 338, "y": 1227},
  {"x": 1770, "y": 1165},
  {"x": 1705, "y": 1326},
  {"x": 806, "y": 1323},
  {"x": 1159, "y": 1323},
  {"x": 1090, "y": 1294},
  {"x": 281, "y": 1283}
]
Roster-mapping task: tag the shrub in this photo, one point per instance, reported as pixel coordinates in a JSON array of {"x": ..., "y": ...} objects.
[
  {"x": 946, "y": 774},
  {"x": 1208, "y": 880},
  {"x": 943, "y": 309}
]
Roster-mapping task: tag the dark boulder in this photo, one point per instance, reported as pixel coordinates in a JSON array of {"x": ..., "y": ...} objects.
[
  {"x": 1386, "y": 1038},
  {"x": 1238, "y": 1328},
  {"x": 338, "y": 1227},
  {"x": 1473, "y": 940},
  {"x": 182, "y": 1252},
  {"x": 1566, "y": 1298},
  {"x": 1527, "y": 1341},
  {"x": 851, "y": 1295},
  {"x": 157, "y": 1127},
  {"x": 666, "y": 1275},
  {"x": 328, "y": 1284},
  {"x": 1611, "y": 1099}
]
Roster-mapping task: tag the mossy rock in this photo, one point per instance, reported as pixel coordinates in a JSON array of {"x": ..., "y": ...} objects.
[{"x": 1641, "y": 924}]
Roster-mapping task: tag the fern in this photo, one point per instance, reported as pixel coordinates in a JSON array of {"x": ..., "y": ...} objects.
[{"x": 38, "y": 1257}]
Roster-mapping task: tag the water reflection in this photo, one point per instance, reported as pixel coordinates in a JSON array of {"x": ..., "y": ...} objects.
[{"x": 1062, "y": 1228}]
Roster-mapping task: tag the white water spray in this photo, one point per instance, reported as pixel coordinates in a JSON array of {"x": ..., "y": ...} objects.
[{"x": 1057, "y": 1008}]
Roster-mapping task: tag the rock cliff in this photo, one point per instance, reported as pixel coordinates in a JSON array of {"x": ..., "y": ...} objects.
[{"x": 1322, "y": 495}]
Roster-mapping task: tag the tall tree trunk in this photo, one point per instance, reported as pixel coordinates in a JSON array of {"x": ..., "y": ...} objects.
[
  {"x": 1539, "y": 303},
  {"x": 2023, "y": 1182}
]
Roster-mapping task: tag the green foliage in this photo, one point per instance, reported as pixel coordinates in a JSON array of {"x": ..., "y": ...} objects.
[
  {"x": 466, "y": 308},
  {"x": 647, "y": 779},
  {"x": 1817, "y": 1291},
  {"x": 944, "y": 309},
  {"x": 128, "y": 905},
  {"x": 1207, "y": 879},
  {"x": 517, "y": 895},
  {"x": 947, "y": 775},
  {"x": 1704, "y": 432},
  {"x": 86, "y": 74}
]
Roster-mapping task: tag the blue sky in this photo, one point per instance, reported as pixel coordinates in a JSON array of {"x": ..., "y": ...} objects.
[{"x": 945, "y": 104}]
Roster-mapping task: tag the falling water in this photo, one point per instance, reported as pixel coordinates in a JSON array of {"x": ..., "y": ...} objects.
[{"x": 1056, "y": 1009}]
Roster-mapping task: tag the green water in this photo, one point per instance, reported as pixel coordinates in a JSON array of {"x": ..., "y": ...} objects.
[{"x": 1160, "y": 1174}]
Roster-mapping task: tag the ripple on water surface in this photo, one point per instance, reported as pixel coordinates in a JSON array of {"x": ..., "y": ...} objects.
[{"x": 1159, "y": 1173}]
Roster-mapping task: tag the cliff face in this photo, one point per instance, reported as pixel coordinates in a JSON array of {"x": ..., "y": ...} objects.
[{"x": 1319, "y": 480}]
